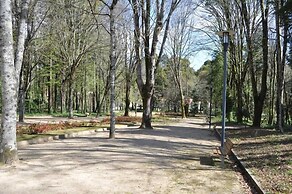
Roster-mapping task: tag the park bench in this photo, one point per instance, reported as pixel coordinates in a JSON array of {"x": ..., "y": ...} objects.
[{"x": 228, "y": 145}]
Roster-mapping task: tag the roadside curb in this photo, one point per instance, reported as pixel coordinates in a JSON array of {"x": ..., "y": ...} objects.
[
  {"x": 40, "y": 140},
  {"x": 248, "y": 175}
]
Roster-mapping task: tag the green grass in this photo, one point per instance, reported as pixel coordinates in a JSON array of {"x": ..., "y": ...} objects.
[
  {"x": 46, "y": 114},
  {"x": 24, "y": 137},
  {"x": 216, "y": 119},
  {"x": 65, "y": 114}
]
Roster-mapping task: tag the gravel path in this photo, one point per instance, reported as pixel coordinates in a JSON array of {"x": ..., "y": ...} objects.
[{"x": 163, "y": 160}]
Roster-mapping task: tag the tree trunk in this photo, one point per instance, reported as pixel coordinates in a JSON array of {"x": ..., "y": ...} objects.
[
  {"x": 19, "y": 53},
  {"x": 21, "y": 37},
  {"x": 21, "y": 97},
  {"x": 258, "y": 110},
  {"x": 127, "y": 98},
  {"x": 9, "y": 78},
  {"x": 128, "y": 68},
  {"x": 272, "y": 95},
  {"x": 55, "y": 94},
  {"x": 70, "y": 100},
  {"x": 49, "y": 95},
  {"x": 97, "y": 91},
  {"x": 21, "y": 104},
  {"x": 147, "y": 113},
  {"x": 101, "y": 102},
  {"x": 239, "y": 114},
  {"x": 182, "y": 103},
  {"x": 280, "y": 58},
  {"x": 93, "y": 102},
  {"x": 62, "y": 98},
  {"x": 259, "y": 97},
  {"x": 280, "y": 71},
  {"x": 113, "y": 62}
]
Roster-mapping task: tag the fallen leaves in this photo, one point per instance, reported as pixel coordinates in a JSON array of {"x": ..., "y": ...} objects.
[{"x": 268, "y": 154}]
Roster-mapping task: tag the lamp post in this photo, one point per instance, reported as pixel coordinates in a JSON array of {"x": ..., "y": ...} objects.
[
  {"x": 211, "y": 95},
  {"x": 225, "y": 48},
  {"x": 210, "y": 107},
  {"x": 225, "y": 38}
]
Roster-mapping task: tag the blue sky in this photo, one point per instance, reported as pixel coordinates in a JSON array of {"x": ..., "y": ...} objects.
[{"x": 198, "y": 59}]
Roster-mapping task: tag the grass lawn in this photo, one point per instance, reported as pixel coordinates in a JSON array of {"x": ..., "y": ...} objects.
[
  {"x": 24, "y": 136},
  {"x": 268, "y": 154}
]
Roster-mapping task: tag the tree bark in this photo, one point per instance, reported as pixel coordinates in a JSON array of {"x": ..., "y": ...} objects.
[
  {"x": 147, "y": 113},
  {"x": 50, "y": 89},
  {"x": 272, "y": 89},
  {"x": 280, "y": 60},
  {"x": 182, "y": 103},
  {"x": 62, "y": 97},
  {"x": 113, "y": 62},
  {"x": 21, "y": 95},
  {"x": 18, "y": 60},
  {"x": 239, "y": 113},
  {"x": 55, "y": 102},
  {"x": 70, "y": 100},
  {"x": 127, "y": 97},
  {"x": 9, "y": 78},
  {"x": 21, "y": 38}
]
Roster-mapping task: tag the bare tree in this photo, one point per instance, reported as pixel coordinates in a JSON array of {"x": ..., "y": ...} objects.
[
  {"x": 181, "y": 44},
  {"x": 254, "y": 14},
  {"x": 147, "y": 29},
  {"x": 130, "y": 68}
]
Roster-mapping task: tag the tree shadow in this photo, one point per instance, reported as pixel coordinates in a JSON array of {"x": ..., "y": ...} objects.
[{"x": 166, "y": 147}]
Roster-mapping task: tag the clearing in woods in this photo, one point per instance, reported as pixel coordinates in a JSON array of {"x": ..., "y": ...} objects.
[{"x": 163, "y": 160}]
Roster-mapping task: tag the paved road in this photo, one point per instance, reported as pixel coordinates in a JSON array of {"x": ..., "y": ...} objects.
[{"x": 163, "y": 160}]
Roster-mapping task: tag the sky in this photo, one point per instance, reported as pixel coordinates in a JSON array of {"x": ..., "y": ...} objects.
[
  {"x": 205, "y": 39},
  {"x": 198, "y": 59}
]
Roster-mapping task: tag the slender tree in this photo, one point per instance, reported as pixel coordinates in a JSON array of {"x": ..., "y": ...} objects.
[
  {"x": 33, "y": 26},
  {"x": 113, "y": 62}
]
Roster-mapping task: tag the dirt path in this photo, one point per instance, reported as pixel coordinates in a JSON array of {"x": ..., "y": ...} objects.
[{"x": 164, "y": 160}]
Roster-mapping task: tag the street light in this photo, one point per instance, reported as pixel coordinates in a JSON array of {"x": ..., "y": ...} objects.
[
  {"x": 225, "y": 39},
  {"x": 225, "y": 47},
  {"x": 210, "y": 106},
  {"x": 211, "y": 95}
]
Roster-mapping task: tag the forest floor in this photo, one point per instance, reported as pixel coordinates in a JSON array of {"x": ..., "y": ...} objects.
[
  {"x": 168, "y": 159},
  {"x": 267, "y": 153}
]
